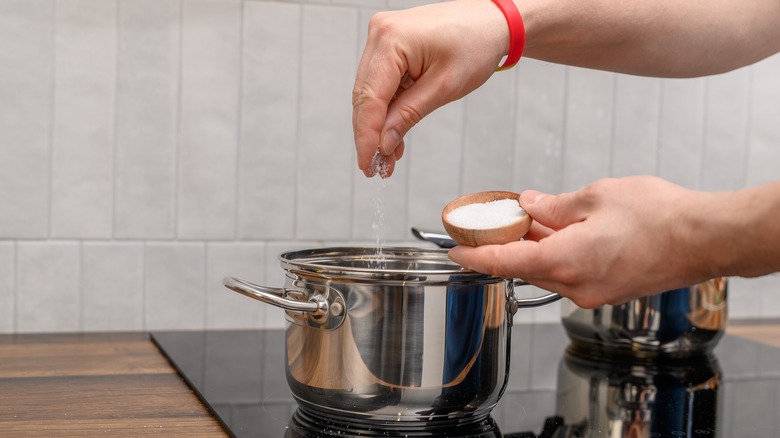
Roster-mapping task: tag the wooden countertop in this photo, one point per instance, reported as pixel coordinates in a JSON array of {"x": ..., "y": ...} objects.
[
  {"x": 95, "y": 384},
  {"x": 120, "y": 384}
]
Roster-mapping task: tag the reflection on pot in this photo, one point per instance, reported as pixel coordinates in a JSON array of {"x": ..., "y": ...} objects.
[
  {"x": 633, "y": 399},
  {"x": 404, "y": 353}
]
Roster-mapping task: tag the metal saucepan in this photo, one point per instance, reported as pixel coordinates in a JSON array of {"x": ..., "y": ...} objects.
[
  {"x": 401, "y": 337},
  {"x": 678, "y": 323}
]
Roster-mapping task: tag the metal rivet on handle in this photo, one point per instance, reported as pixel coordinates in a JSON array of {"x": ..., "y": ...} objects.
[{"x": 336, "y": 309}]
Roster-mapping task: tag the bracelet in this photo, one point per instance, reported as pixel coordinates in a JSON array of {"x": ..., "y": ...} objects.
[{"x": 516, "y": 33}]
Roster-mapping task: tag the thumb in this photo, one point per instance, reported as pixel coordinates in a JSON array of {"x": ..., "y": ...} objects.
[{"x": 553, "y": 211}]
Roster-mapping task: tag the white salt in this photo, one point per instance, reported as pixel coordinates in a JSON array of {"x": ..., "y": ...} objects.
[
  {"x": 483, "y": 216},
  {"x": 379, "y": 167}
]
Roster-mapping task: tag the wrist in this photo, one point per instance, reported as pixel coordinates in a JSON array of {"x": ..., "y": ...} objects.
[
  {"x": 516, "y": 33},
  {"x": 704, "y": 235},
  {"x": 735, "y": 233},
  {"x": 751, "y": 235}
]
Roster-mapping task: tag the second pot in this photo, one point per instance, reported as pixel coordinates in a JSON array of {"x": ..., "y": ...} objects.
[{"x": 678, "y": 323}]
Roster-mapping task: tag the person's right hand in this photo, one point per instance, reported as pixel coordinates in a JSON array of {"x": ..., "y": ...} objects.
[{"x": 415, "y": 61}]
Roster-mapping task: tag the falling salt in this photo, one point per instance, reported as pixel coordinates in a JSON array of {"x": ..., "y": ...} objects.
[
  {"x": 483, "y": 216},
  {"x": 379, "y": 167}
]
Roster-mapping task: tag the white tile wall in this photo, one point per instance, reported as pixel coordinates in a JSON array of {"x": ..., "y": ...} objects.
[
  {"x": 488, "y": 148},
  {"x": 225, "y": 308},
  {"x": 539, "y": 126},
  {"x": 764, "y": 131},
  {"x": 269, "y": 120},
  {"x": 148, "y": 68},
  {"x": 725, "y": 133},
  {"x": 25, "y": 124},
  {"x": 325, "y": 162},
  {"x": 588, "y": 127},
  {"x": 7, "y": 280},
  {"x": 433, "y": 155},
  {"x": 175, "y": 285},
  {"x": 85, "y": 52},
  {"x": 149, "y": 148},
  {"x": 635, "y": 118},
  {"x": 208, "y": 137},
  {"x": 48, "y": 288},
  {"x": 681, "y": 131},
  {"x": 112, "y": 285}
]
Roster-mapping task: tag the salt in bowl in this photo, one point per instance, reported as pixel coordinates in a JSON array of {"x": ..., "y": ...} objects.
[{"x": 488, "y": 218}]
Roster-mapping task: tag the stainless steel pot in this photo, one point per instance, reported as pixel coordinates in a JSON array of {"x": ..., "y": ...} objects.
[
  {"x": 402, "y": 337},
  {"x": 679, "y": 323}
]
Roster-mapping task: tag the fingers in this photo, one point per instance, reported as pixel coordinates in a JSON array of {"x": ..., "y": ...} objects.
[
  {"x": 409, "y": 107},
  {"x": 555, "y": 212},
  {"x": 377, "y": 80},
  {"x": 530, "y": 261},
  {"x": 538, "y": 232},
  {"x": 511, "y": 260}
]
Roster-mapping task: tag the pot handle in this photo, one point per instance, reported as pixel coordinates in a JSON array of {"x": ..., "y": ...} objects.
[
  {"x": 516, "y": 303},
  {"x": 445, "y": 241},
  {"x": 325, "y": 309}
]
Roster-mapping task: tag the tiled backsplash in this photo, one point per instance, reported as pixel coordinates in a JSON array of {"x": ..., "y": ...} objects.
[{"x": 150, "y": 147}]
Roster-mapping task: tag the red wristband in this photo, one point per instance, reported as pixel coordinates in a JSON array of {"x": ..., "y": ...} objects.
[{"x": 516, "y": 33}]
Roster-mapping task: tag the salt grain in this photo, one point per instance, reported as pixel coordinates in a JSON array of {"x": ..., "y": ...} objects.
[{"x": 483, "y": 216}]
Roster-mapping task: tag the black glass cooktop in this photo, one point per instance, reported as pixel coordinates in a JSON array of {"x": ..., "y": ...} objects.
[{"x": 552, "y": 392}]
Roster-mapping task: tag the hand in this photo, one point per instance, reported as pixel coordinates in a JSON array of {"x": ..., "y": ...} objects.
[
  {"x": 613, "y": 241},
  {"x": 415, "y": 61}
]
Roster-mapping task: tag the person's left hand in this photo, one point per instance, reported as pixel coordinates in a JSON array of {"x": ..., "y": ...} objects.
[{"x": 612, "y": 241}]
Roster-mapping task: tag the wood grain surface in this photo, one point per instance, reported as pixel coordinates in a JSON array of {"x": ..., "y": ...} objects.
[
  {"x": 95, "y": 384},
  {"x": 764, "y": 332}
]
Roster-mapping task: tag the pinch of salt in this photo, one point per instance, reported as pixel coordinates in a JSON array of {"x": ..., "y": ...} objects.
[
  {"x": 483, "y": 216},
  {"x": 379, "y": 165}
]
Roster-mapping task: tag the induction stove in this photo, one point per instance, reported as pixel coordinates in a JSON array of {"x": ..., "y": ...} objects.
[{"x": 554, "y": 390}]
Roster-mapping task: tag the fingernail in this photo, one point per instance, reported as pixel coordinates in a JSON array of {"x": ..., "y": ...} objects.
[
  {"x": 532, "y": 197},
  {"x": 390, "y": 141}
]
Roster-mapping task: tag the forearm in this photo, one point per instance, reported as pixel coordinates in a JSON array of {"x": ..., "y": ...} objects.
[
  {"x": 738, "y": 233},
  {"x": 667, "y": 38}
]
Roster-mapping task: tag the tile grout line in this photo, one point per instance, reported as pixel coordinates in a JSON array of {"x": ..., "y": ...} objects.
[
  {"x": 80, "y": 288},
  {"x": 144, "y": 254},
  {"x": 177, "y": 142},
  {"x": 15, "y": 287},
  {"x": 659, "y": 128},
  {"x": 703, "y": 138},
  {"x": 239, "y": 122},
  {"x": 205, "y": 267},
  {"x": 564, "y": 136},
  {"x": 297, "y": 147},
  {"x": 114, "y": 164},
  {"x": 52, "y": 117},
  {"x": 613, "y": 128},
  {"x": 747, "y": 144}
]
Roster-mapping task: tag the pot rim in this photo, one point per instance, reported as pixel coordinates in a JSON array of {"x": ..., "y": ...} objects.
[{"x": 391, "y": 262}]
